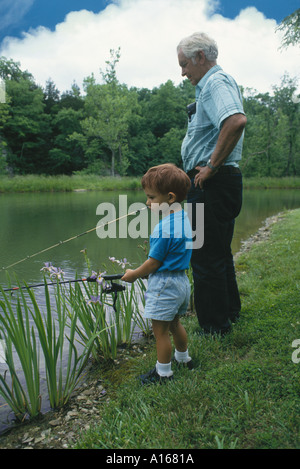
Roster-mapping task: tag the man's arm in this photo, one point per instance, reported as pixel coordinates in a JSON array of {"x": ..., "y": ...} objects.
[{"x": 230, "y": 134}]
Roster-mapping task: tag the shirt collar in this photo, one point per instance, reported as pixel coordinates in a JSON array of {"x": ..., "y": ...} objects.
[{"x": 202, "y": 82}]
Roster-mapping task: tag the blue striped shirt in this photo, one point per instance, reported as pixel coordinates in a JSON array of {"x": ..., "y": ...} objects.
[{"x": 217, "y": 97}]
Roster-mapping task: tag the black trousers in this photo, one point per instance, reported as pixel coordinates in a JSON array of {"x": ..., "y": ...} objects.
[{"x": 216, "y": 295}]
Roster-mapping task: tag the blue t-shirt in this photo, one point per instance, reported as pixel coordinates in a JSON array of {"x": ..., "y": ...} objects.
[{"x": 171, "y": 242}]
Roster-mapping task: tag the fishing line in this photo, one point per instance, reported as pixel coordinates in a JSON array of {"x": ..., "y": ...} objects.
[{"x": 73, "y": 237}]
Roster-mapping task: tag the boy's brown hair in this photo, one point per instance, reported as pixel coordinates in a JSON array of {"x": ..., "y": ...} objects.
[{"x": 167, "y": 178}]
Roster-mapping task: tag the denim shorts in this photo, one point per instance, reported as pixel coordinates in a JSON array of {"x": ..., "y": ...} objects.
[{"x": 168, "y": 294}]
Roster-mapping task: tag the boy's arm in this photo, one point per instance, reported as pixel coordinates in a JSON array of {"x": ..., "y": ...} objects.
[{"x": 148, "y": 267}]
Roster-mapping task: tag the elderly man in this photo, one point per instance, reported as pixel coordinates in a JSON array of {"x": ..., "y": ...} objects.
[{"x": 211, "y": 151}]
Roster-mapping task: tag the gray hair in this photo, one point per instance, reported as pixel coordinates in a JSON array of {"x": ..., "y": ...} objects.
[{"x": 198, "y": 41}]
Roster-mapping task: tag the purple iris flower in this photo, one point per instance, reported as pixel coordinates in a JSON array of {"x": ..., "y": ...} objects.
[
  {"x": 122, "y": 262},
  {"x": 47, "y": 267},
  {"x": 94, "y": 300},
  {"x": 56, "y": 272}
]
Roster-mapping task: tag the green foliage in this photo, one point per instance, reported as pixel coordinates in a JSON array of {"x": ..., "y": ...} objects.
[
  {"x": 113, "y": 130},
  {"x": 272, "y": 144},
  {"x": 291, "y": 28}
]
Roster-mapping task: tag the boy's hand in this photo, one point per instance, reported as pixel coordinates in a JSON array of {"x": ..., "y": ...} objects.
[
  {"x": 148, "y": 267},
  {"x": 129, "y": 276}
]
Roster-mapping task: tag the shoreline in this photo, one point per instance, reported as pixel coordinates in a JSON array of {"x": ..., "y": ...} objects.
[
  {"x": 262, "y": 234},
  {"x": 84, "y": 183}
]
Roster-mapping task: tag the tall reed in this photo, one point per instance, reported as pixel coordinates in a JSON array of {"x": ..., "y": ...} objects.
[
  {"x": 20, "y": 339},
  {"x": 140, "y": 300},
  {"x": 110, "y": 322},
  {"x": 30, "y": 336},
  {"x": 92, "y": 326},
  {"x": 56, "y": 344}
]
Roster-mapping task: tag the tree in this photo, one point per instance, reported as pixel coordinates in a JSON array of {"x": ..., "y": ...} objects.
[
  {"x": 108, "y": 108},
  {"x": 166, "y": 109},
  {"x": 51, "y": 96},
  {"x": 72, "y": 99},
  {"x": 27, "y": 130},
  {"x": 169, "y": 147},
  {"x": 11, "y": 70},
  {"x": 271, "y": 145},
  {"x": 286, "y": 105},
  {"x": 291, "y": 27},
  {"x": 66, "y": 155}
]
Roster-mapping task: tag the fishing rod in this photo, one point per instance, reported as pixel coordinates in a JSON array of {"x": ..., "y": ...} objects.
[
  {"x": 88, "y": 279},
  {"x": 73, "y": 237},
  {"x": 113, "y": 288}
]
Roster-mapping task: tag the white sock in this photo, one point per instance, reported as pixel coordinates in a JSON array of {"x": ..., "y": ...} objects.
[
  {"x": 164, "y": 369},
  {"x": 182, "y": 357}
]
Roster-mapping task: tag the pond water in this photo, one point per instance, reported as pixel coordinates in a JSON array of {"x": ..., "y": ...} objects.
[{"x": 34, "y": 222}]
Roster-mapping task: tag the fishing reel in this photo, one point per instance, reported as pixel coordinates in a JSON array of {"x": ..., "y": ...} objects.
[{"x": 113, "y": 287}]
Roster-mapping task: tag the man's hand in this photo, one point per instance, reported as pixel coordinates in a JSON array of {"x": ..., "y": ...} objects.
[{"x": 204, "y": 173}]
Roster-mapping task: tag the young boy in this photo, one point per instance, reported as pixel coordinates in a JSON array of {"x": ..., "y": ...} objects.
[{"x": 170, "y": 251}]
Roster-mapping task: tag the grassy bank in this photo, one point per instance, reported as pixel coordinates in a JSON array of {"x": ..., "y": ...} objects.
[
  {"x": 272, "y": 183},
  {"x": 34, "y": 183},
  {"x": 244, "y": 391}
]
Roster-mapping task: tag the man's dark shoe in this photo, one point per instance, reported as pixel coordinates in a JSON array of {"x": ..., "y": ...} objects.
[
  {"x": 214, "y": 333},
  {"x": 153, "y": 377},
  {"x": 234, "y": 318}
]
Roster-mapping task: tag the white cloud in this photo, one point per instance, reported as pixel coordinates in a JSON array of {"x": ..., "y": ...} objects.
[{"x": 148, "y": 32}]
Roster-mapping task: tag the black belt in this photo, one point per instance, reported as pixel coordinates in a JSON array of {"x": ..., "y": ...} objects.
[{"x": 222, "y": 170}]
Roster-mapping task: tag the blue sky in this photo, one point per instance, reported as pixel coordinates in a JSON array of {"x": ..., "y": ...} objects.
[
  {"x": 56, "y": 39},
  {"x": 34, "y": 13}
]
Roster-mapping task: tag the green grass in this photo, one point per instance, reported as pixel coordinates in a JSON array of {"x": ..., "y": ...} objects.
[
  {"x": 244, "y": 392},
  {"x": 272, "y": 183},
  {"x": 35, "y": 183}
]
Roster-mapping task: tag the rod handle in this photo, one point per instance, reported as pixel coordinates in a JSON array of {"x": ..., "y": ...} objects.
[{"x": 106, "y": 277}]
